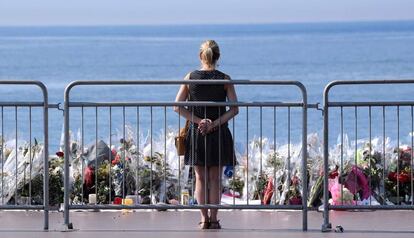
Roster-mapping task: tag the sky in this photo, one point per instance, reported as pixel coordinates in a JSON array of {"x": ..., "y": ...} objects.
[{"x": 170, "y": 12}]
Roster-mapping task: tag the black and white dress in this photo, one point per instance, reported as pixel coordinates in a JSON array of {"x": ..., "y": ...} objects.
[{"x": 215, "y": 148}]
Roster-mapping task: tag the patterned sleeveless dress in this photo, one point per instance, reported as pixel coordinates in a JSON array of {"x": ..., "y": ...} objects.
[{"x": 215, "y": 148}]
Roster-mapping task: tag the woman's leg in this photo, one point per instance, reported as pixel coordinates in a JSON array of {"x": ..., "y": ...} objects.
[
  {"x": 214, "y": 195},
  {"x": 200, "y": 190}
]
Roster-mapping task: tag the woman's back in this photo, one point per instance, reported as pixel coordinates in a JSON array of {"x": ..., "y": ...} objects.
[
  {"x": 200, "y": 92},
  {"x": 209, "y": 144}
]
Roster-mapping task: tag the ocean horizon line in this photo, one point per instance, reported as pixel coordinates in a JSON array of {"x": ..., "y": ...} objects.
[{"x": 328, "y": 22}]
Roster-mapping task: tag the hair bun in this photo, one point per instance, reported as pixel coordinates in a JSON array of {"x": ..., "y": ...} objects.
[{"x": 209, "y": 52}]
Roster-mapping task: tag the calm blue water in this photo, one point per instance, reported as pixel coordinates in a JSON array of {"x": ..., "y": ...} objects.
[{"x": 311, "y": 53}]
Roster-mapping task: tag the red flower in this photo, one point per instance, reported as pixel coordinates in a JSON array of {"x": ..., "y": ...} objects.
[
  {"x": 89, "y": 177},
  {"x": 295, "y": 201},
  {"x": 392, "y": 176},
  {"x": 113, "y": 152},
  {"x": 117, "y": 200},
  {"x": 402, "y": 177},
  {"x": 268, "y": 193},
  {"x": 60, "y": 154},
  {"x": 333, "y": 174}
]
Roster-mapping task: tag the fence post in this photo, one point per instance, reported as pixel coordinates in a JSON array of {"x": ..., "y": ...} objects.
[
  {"x": 45, "y": 106},
  {"x": 304, "y": 156},
  {"x": 46, "y": 155},
  {"x": 326, "y": 226},
  {"x": 67, "y": 223}
]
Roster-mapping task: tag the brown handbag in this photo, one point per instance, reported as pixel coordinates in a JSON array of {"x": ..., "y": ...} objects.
[{"x": 180, "y": 139}]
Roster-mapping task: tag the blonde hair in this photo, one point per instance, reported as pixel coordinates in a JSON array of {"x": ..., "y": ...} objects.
[{"x": 209, "y": 52}]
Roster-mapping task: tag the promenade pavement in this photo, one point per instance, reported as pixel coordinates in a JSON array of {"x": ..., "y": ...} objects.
[{"x": 183, "y": 224}]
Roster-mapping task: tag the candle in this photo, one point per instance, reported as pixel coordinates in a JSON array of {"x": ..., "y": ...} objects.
[
  {"x": 134, "y": 198},
  {"x": 127, "y": 201},
  {"x": 92, "y": 198},
  {"x": 185, "y": 197}
]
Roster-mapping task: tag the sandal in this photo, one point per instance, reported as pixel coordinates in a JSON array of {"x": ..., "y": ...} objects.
[
  {"x": 204, "y": 225},
  {"x": 215, "y": 225}
]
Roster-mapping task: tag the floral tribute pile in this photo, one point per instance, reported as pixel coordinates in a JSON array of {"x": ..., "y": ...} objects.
[
  {"x": 375, "y": 173},
  {"x": 123, "y": 170},
  {"x": 21, "y": 179}
]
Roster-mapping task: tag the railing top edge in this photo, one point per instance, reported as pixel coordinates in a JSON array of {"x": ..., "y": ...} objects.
[
  {"x": 180, "y": 82},
  {"x": 369, "y": 81},
  {"x": 21, "y": 82},
  {"x": 370, "y": 103},
  {"x": 176, "y": 82},
  {"x": 331, "y": 84},
  {"x": 28, "y": 104},
  {"x": 37, "y": 83}
]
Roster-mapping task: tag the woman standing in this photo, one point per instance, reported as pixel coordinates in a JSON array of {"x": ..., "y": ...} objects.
[{"x": 209, "y": 143}]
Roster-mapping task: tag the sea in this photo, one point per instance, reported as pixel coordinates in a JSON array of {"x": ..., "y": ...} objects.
[{"x": 311, "y": 53}]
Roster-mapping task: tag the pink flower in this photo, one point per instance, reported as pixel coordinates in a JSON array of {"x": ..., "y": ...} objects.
[
  {"x": 357, "y": 181},
  {"x": 116, "y": 160}
]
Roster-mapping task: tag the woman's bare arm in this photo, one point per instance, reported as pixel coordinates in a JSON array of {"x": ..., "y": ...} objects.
[
  {"x": 181, "y": 97},
  {"x": 233, "y": 111}
]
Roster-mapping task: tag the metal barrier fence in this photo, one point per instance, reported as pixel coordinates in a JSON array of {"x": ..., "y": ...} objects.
[
  {"x": 403, "y": 200},
  {"x": 13, "y": 162},
  {"x": 70, "y": 106},
  {"x": 376, "y": 163}
]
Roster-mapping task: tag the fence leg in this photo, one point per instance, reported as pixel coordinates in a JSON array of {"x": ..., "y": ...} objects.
[
  {"x": 46, "y": 160},
  {"x": 67, "y": 225},
  {"x": 304, "y": 162},
  {"x": 326, "y": 226}
]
